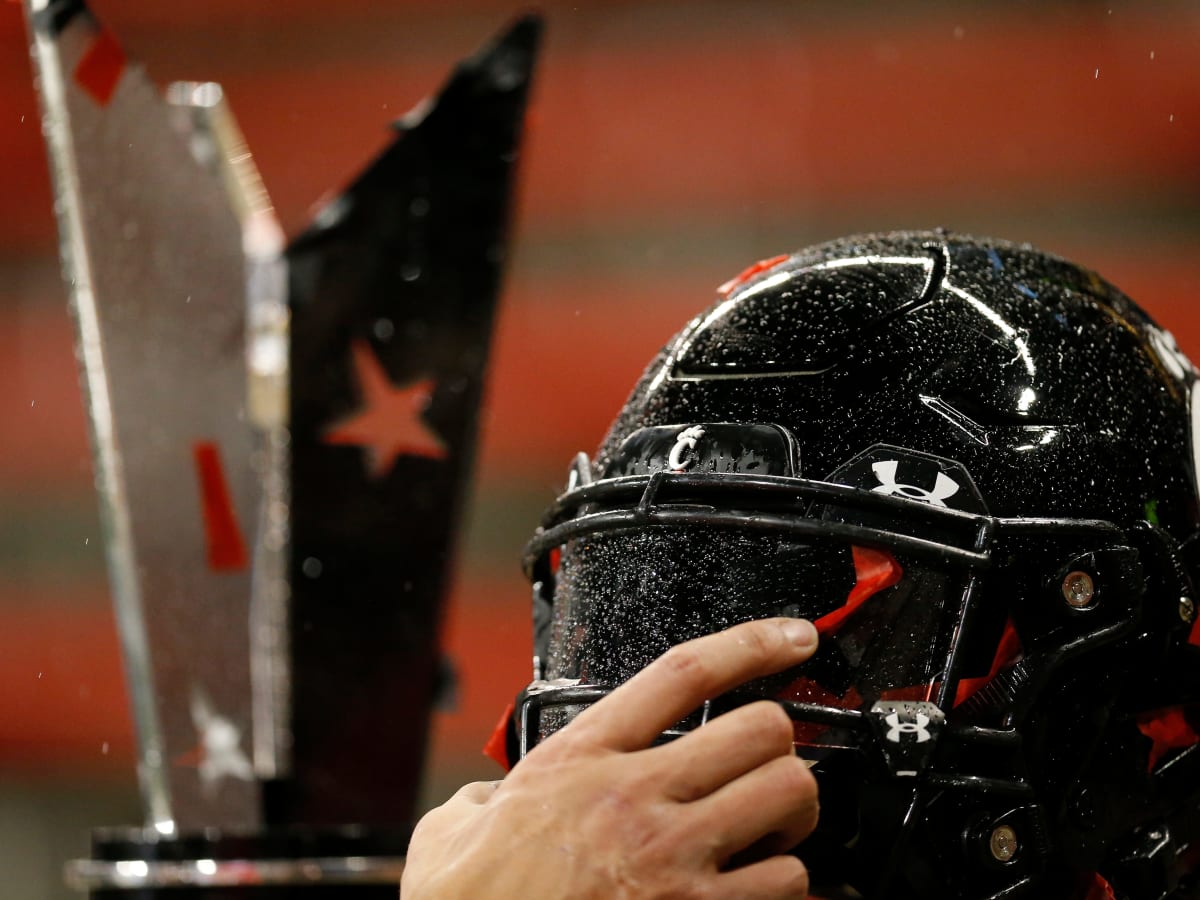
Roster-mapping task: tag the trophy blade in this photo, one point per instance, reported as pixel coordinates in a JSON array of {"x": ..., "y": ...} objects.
[
  {"x": 154, "y": 257},
  {"x": 206, "y": 120},
  {"x": 393, "y": 293}
]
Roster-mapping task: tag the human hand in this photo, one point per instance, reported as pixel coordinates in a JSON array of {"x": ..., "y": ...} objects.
[{"x": 595, "y": 812}]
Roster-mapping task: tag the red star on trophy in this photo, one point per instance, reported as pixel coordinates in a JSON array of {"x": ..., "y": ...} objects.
[{"x": 391, "y": 421}]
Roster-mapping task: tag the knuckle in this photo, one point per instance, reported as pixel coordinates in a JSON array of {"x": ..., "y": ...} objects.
[
  {"x": 475, "y": 791},
  {"x": 773, "y": 725},
  {"x": 805, "y": 822},
  {"x": 685, "y": 662},
  {"x": 564, "y": 744},
  {"x": 795, "y": 878},
  {"x": 799, "y": 785},
  {"x": 560, "y": 751},
  {"x": 763, "y": 641},
  {"x": 424, "y": 825},
  {"x": 796, "y": 778}
]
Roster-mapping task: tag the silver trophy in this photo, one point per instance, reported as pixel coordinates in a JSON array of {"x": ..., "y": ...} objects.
[{"x": 282, "y": 433}]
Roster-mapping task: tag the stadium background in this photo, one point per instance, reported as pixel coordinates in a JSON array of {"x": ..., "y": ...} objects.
[{"x": 671, "y": 144}]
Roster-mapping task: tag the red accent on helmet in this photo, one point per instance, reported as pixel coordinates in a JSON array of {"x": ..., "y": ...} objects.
[
  {"x": 1007, "y": 652},
  {"x": 749, "y": 272},
  {"x": 1194, "y": 635},
  {"x": 805, "y": 690},
  {"x": 497, "y": 745},
  {"x": 874, "y": 570},
  {"x": 1100, "y": 889},
  {"x": 1169, "y": 729}
]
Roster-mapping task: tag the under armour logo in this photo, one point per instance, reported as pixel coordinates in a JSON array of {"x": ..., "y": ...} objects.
[
  {"x": 684, "y": 442},
  {"x": 898, "y": 728},
  {"x": 885, "y": 471}
]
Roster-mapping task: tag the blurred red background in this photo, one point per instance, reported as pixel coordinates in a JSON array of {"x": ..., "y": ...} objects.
[{"x": 671, "y": 143}]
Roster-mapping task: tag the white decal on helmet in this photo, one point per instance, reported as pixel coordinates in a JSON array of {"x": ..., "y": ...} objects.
[
  {"x": 943, "y": 488},
  {"x": 685, "y": 441},
  {"x": 1168, "y": 351},
  {"x": 899, "y": 728}
]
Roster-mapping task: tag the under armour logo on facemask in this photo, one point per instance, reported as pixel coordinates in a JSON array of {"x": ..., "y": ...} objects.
[
  {"x": 898, "y": 728},
  {"x": 685, "y": 442},
  {"x": 885, "y": 471}
]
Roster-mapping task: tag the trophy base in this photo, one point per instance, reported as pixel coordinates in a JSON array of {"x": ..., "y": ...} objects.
[{"x": 222, "y": 864}]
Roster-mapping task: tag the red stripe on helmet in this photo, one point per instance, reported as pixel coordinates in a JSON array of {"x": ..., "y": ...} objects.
[{"x": 749, "y": 272}]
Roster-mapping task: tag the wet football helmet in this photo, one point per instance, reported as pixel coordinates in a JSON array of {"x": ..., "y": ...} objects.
[{"x": 973, "y": 466}]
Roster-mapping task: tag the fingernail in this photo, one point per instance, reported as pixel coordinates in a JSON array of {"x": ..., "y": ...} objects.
[{"x": 799, "y": 631}]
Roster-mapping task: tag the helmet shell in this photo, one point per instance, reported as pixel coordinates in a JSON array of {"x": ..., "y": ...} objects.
[{"x": 1055, "y": 391}]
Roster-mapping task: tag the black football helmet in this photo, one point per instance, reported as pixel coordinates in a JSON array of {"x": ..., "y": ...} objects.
[{"x": 973, "y": 466}]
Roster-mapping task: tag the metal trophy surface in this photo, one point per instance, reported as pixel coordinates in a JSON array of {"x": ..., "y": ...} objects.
[{"x": 282, "y": 436}]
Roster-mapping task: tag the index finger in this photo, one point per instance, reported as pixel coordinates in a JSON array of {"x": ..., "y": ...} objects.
[{"x": 688, "y": 674}]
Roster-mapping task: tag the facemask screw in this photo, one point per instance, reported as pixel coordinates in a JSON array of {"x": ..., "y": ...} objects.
[
  {"x": 1187, "y": 609},
  {"x": 1078, "y": 589},
  {"x": 1003, "y": 843}
]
